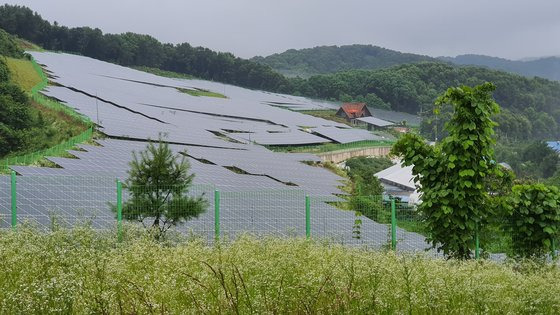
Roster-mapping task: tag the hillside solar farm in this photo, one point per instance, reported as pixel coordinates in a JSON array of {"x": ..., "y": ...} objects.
[{"x": 224, "y": 139}]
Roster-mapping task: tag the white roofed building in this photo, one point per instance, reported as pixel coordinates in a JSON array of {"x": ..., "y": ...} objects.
[{"x": 398, "y": 181}]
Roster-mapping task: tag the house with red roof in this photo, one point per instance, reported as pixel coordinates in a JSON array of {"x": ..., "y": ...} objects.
[{"x": 352, "y": 111}]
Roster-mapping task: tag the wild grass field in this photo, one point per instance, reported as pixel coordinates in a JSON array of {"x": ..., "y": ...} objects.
[
  {"x": 23, "y": 73},
  {"x": 82, "y": 271}
]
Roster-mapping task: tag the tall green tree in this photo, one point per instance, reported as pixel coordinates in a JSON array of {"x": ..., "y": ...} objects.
[
  {"x": 159, "y": 182},
  {"x": 452, "y": 173}
]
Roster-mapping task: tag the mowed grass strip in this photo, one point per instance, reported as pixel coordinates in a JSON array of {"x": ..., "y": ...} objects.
[
  {"x": 22, "y": 73},
  {"x": 82, "y": 271}
]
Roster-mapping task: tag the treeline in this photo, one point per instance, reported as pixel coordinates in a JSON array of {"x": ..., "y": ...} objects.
[
  {"x": 132, "y": 49},
  {"x": 330, "y": 59}
]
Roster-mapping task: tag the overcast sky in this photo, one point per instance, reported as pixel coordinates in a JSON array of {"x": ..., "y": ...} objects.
[{"x": 504, "y": 28}]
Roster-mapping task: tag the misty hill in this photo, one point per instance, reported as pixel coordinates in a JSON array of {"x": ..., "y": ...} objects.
[
  {"x": 329, "y": 59},
  {"x": 548, "y": 67}
]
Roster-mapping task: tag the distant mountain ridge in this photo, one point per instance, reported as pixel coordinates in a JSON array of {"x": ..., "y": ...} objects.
[
  {"x": 329, "y": 59},
  {"x": 548, "y": 67}
]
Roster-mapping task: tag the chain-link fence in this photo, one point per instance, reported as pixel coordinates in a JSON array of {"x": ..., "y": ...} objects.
[{"x": 209, "y": 212}]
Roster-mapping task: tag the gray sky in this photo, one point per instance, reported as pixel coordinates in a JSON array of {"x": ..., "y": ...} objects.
[{"x": 504, "y": 28}]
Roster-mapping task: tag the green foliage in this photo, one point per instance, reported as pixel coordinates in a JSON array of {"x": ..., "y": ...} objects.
[
  {"x": 362, "y": 169},
  {"x": 529, "y": 160},
  {"x": 9, "y": 46},
  {"x": 366, "y": 167},
  {"x": 452, "y": 174},
  {"x": 15, "y": 114},
  {"x": 158, "y": 183},
  {"x": 534, "y": 215},
  {"x": 81, "y": 271}
]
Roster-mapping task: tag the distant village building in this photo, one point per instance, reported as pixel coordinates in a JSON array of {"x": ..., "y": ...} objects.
[
  {"x": 352, "y": 111},
  {"x": 398, "y": 181},
  {"x": 375, "y": 123}
]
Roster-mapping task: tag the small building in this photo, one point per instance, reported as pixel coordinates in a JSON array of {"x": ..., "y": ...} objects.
[
  {"x": 375, "y": 123},
  {"x": 352, "y": 111},
  {"x": 398, "y": 181}
]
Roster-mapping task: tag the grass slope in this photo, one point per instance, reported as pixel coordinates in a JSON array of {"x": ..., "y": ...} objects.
[
  {"x": 23, "y": 73},
  {"x": 81, "y": 271}
]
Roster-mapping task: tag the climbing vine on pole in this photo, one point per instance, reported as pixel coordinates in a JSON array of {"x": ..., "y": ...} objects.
[{"x": 451, "y": 174}]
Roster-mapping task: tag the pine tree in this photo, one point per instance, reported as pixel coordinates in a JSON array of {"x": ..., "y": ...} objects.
[{"x": 159, "y": 183}]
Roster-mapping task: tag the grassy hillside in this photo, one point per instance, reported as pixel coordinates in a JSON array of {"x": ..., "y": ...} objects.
[
  {"x": 23, "y": 73},
  {"x": 25, "y": 125},
  {"x": 329, "y": 59},
  {"x": 548, "y": 68},
  {"x": 81, "y": 271}
]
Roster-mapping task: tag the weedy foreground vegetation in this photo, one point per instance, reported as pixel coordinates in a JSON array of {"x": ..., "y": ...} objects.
[{"x": 83, "y": 271}]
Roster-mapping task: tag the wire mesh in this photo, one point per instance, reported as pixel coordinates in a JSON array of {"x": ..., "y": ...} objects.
[
  {"x": 410, "y": 230},
  {"x": 352, "y": 220},
  {"x": 165, "y": 208},
  {"x": 5, "y": 201},
  {"x": 267, "y": 212},
  {"x": 46, "y": 201}
]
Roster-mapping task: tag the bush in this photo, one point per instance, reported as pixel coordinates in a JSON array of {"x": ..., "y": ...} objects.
[
  {"x": 81, "y": 271},
  {"x": 534, "y": 219}
]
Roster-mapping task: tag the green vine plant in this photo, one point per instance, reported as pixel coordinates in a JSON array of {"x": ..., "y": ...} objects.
[
  {"x": 451, "y": 175},
  {"x": 534, "y": 218}
]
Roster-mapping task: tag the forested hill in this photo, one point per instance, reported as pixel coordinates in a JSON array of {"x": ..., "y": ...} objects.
[
  {"x": 132, "y": 49},
  {"x": 531, "y": 105},
  {"x": 330, "y": 59},
  {"x": 548, "y": 68}
]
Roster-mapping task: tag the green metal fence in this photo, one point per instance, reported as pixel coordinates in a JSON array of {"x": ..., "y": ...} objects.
[
  {"x": 223, "y": 213},
  {"x": 203, "y": 210}
]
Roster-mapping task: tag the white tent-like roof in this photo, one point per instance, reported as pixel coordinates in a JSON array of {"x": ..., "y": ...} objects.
[
  {"x": 398, "y": 176},
  {"x": 375, "y": 121}
]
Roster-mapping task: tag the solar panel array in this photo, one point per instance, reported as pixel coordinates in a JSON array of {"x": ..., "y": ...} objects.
[
  {"x": 136, "y": 104},
  {"x": 262, "y": 191}
]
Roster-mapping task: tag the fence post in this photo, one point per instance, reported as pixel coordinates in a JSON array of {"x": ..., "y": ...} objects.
[
  {"x": 393, "y": 225},
  {"x": 307, "y": 217},
  {"x": 476, "y": 243},
  {"x": 119, "y": 211},
  {"x": 216, "y": 215},
  {"x": 14, "y": 200}
]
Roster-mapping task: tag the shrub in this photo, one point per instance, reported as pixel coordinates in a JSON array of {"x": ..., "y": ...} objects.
[{"x": 534, "y": 219}]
